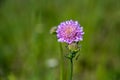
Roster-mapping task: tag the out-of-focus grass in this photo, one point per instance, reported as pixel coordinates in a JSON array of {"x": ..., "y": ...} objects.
[{"x": 26, "y": 45}]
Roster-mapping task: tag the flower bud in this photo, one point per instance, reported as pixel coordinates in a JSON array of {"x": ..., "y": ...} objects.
[
  {"x": 53, "y": 30},
  {"x": 73, "y": 47}
]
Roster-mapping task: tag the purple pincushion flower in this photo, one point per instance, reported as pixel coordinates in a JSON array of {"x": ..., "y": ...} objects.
[{"x": 69, "y": 32}]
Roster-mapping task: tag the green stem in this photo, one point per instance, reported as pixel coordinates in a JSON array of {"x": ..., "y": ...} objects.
[
  {"x": 62, "y": 63},
  {"x": 71, "y": 68}
]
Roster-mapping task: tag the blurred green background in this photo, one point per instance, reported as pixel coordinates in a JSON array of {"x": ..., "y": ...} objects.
[{"x": 29, "y": 52}]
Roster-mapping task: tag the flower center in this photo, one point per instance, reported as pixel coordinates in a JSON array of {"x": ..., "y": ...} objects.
[{"x": 68, "y": 30}]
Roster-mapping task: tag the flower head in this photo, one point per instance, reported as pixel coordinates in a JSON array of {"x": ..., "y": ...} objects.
[{"x": 69, "y": 32}]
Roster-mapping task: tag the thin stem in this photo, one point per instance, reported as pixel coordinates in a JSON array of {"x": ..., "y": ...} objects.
[
  {"x": 71, "y": 68},
  {"x": 62, "y": 63}
]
